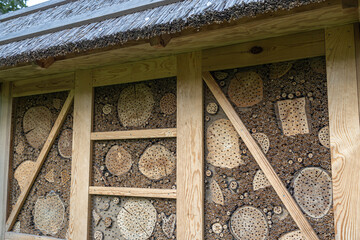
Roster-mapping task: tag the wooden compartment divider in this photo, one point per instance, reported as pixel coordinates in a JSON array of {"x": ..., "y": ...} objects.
[
  {"x": 134, "y": 192},
  {"x": 261, "y": 159},
  {"x": 22, "y": 236},
  {"x": 134, "y": 134},
  {"x": 40, "y": 160}
]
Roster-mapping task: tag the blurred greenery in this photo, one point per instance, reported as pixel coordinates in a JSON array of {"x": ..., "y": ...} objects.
[{"x": 11, "y": 5}]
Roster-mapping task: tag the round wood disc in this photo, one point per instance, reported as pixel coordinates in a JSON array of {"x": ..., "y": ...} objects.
[
  {"x": 260, "y": 181},
  {"x": 324, "y": 137},
  {"x": 262, "y": 140},
  {"x": 246, "y": 89},
  {"x": 49, "y": 214},
  {"x": 118, "y": 161},
  {"x": 157, "y": 162},
  {"x": 277, "y": 70},
  {"x": 168, "y": 104},
  {"x": 249, "y": 223},
  {"x": 295, "y": 235},
  {"x": 65, "y": 143},
  {"x": 137, "y": 219},
  {"x": 313, "y": 191},
  {"x": 135, "y": 105},
  {"x": 23, "y": 173},
  {"x": 37, "y": 125},
  {"x": 222, "y": 143}
]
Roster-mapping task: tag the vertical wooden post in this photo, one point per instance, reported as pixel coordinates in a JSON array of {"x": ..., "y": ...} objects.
[
  {"x": 190, "y": 149},
  {"x": 81, "y": 158},
  {"x": 5, "y": 135},
  {"x": 344, "y": 129}
]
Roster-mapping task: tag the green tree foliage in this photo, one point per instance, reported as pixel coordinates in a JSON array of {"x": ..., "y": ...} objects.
[{"x": 11, "y": 5}]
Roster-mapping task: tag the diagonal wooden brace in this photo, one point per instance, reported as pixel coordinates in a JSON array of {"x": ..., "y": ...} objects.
[
  {"x": 290, "y": 204},
  {"x": 40, "y": 160}
]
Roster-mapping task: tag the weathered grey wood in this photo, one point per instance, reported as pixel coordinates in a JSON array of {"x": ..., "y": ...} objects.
[{"x": 90, "y": 17}]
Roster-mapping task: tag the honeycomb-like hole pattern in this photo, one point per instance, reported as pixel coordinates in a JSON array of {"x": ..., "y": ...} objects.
[
  {"x": 23, "y": 173},
  {"x": 260, "y": 181},
  {"x": 313, "y": 191},
  {"x": 135, "y": 105},
  {"x": 262, "y": 140},
  {"x": 212, "y": 108},
  {"x": 37, "y": 125},
  {"x": 216, "y": 194},
  {"x": 157, "y": 162},
  {"x": 324, "y": 136},
  {"x": 118, "y": 161},
  {"x": 295, "y": 235},
  {"x": 249, "y": 223},
  {"x": 168, "y": 104},
  {"x": 222, "y": 142},
  {"x": 246, "y": 89},
  {"x": 293, "y": 116},
  {"x": 49, "y": 214}
]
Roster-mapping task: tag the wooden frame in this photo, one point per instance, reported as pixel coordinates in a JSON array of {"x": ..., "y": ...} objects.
[{"x": 344, "y": 123}]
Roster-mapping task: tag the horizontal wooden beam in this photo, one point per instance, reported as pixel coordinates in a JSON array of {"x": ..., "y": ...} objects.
[
  {"x": 22, "y": 236},
  {"x": 133, "y": 192},
  {"x": 134, "y": 134},
  {"x": 134, "y": 72},
  {"x": 42, "y": 85},
  {"x": 259, "y": 156},
  {"x": 40, "y": 160},
  {"x": 278, "y": 49}
]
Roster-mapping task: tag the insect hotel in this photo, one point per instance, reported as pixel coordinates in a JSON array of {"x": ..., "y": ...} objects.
[{"x": 180, "y": 119}]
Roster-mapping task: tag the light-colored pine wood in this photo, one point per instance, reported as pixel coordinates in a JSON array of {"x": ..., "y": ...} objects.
[
  {"x": 261, "y": 159},
  {"x": 190, "y": 148},
  {"x": 134, "y": 134},
  {"x": 134, "y": 72},
  {"x": 281, "y": 23},
  {"x": 278, "y": 49},
  {"x": 81, "y": 158},
  {"x": 344, "y": 130},
  {"x": 133, "y": 192},
  {"x": 41, "y": 85},
  {"x": 22, "y": 236},
  {"x": 40, "y": 160},
  {"x": 5, "y": 136}
]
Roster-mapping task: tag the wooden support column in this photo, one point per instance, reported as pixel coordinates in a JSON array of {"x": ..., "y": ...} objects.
[
  {"x": 5, "y": 133},
  {"x": 344, "y": 129},
  {"x": 190, "y": 149},
  {"x": 81, "y": 158}
]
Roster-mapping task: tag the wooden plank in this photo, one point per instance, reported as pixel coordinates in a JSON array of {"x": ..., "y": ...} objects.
[
  {"x": 344, "y": 129},
  {"x": 40, "y": 160},
  {"x": 22, "y": 236},
  {"x": 280, "y": 23},
  {"x": 357, "y": 52},
  {"x": 5, "y": 139},
  {"x": 81, "y": 158},
  {"x": 261, "y": 159},
  {"x": 134, "y": 192},
  {"x": 134, "y": 134},
  {"x": 134, "y": 72},
  {"x": 190, "y": 148},
  {"x": 41, "y": 85},
  {"x": 271, "y": 50}
]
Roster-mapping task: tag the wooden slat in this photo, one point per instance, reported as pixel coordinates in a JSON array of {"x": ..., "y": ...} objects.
[
  {"x": 48, "y": 84},
  {"x": 344, "y": 130},
  {"x": 81, "y": 158},
  {"x": 134, "y": 134},
  {"x": 133, "y": 192},
  {"x": 261, "y": 159},
  {"x": 22, "y": 236},
  {"x": 5, "y": 136},
  {"x": 134, "y": 72},
  {"x": 190, "y": 149},
  {"x": 292, "y": 47},
  {"x": 40, "y": 160}
]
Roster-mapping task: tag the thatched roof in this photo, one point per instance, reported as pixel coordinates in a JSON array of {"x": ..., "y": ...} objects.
[{"x": 59, "y": 27}]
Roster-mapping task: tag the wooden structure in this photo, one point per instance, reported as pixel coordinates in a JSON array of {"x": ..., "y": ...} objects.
[{"x": 318, "y": 28}]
